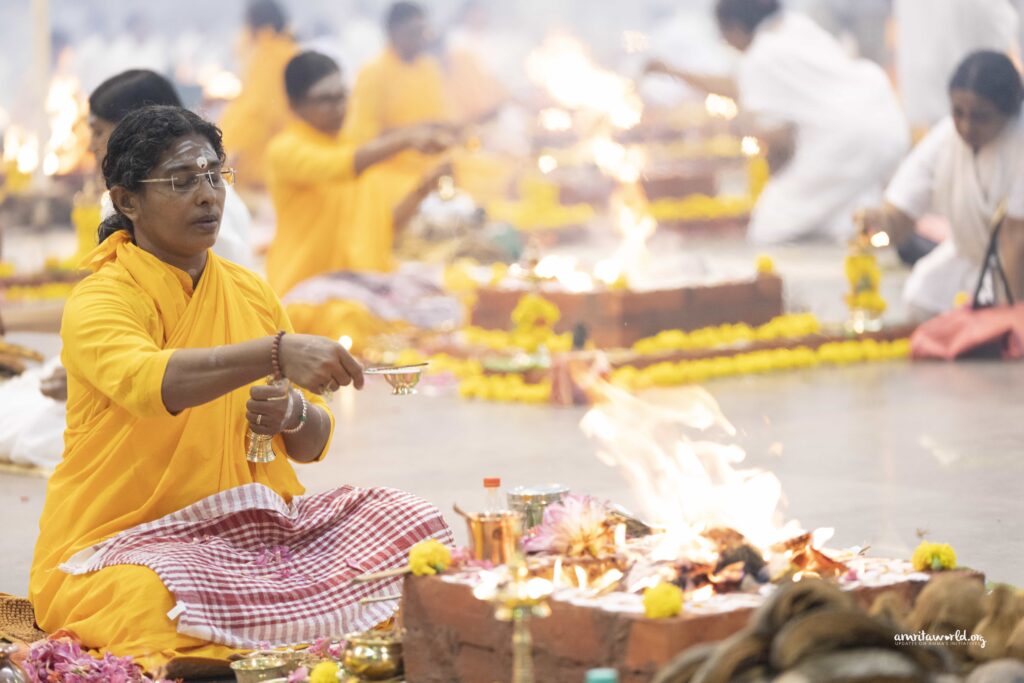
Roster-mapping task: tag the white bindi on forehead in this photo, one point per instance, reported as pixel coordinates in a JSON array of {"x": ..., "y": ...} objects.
[{"x": 191, "y": 152}]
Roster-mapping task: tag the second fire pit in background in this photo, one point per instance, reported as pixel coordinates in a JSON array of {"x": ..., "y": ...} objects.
[{"x": 618, "y": 318}]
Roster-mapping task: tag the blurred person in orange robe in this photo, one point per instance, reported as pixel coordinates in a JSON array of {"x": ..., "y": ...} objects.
[
  {"x": 475, "y": 91},
  {"x": 261, "y": 111},
  {"x": 327, "y": 189},
  {"x": 404, "y": 86}
]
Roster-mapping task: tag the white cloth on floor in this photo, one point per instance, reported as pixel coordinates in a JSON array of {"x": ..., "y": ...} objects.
[
  {"x": 234, "y": 241},
  {"x": 31, "y": 425},
  {"x": 934, "y": 36},
  {"x": 850, "y": 131},
  {"x": 945, "y": 176}
]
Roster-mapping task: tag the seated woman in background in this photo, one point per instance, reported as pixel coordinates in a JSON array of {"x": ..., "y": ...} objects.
[
  {"x": 251, "y": 120},
  {"x": 158, "y": 537},
  {"x": 122, "y": 94},
  {"x": 331, "y": 214},
  {"x": 832, "y": 125},
  {"x": 964, "y": 169}
]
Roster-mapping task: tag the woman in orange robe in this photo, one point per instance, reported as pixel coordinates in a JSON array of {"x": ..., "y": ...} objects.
[
  {"x": 166, "y": 346},
  {"x": 404, "y": 86},
  {"x": 331, "y": 208},
  {"x": 260, "y": 111}
]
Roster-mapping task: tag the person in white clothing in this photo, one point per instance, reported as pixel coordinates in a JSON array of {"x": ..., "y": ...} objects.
[
  {"x": 967, "y": 166},
  {"x": 832, "y": 125},
  {"x": 111, "y": 101},
  {"x": 934, "y": 36}
]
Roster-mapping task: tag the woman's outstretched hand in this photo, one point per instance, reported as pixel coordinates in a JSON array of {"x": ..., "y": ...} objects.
[{"x": 318, "y": 364}]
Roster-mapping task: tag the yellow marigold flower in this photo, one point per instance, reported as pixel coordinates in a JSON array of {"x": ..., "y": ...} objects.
[
  {"x": 409, "y": 357},
  {"x": 900, "y": 348},
  {"x": 663, "y": 601},
  {"x": 934, "y": 557},
  {"x": 533, "y": 310},
  {"x": 324, "y": 672},
  {"x": 765, "y": 265},
  {"x": 499, "y": 271},
  {"x": 429, "y": 557}
]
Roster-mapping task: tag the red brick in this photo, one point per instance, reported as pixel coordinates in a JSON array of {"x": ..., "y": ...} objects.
[
  {"x": 617, "y": 319},
  {"x": 453, "y": 638}
]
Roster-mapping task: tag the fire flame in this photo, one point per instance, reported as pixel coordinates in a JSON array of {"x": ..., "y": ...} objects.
[
  {"x": 21, "y": 149},
  {"x": 582, "y": 580},
  {"x": 722, "y": 107},
  {"x": 750, "y": 146},
  {"x": 562, "y": 66},
  {"x": 604, "y": 101},
  {"x": 65, "y": 107},
  {"x": 702, "y": 594},
  {"x": 555, "y": 120},
  {"x": 685, "y": 482},
  {"x": 563, "y": 269},
  {"x": 218, "y": 83}
]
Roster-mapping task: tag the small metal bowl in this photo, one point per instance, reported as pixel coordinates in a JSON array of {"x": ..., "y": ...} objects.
[
  {"x": 260, "y": 668},
  {"x": 403, "y": 379},
  {"x": 373, "y": 656}
]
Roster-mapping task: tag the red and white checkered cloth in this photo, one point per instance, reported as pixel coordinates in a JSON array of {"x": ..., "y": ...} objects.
[{"x": 249, "y": 570}]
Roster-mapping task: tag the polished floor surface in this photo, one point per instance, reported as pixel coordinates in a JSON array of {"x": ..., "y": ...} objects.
[{"x": 880, "y": 452}]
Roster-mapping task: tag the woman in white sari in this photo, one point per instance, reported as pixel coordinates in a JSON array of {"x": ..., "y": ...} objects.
[
  {"x": 832, "y": 124},
  {"x": 964, "y": 169}
]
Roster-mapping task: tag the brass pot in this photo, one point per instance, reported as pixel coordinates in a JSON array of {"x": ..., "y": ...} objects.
[
  {"x": 373, "y": 656},
  {"x": 260, "y": 668},
  {"x": 495, "y": 536}
]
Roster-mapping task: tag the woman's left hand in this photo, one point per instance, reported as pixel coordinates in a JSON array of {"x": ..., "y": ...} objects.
[{"x": 268, "y": 408}]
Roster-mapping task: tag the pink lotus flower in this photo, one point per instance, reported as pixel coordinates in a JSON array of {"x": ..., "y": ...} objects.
[
  {"x": 576, "y": 526},
  {"x": 63, "y": 660}
]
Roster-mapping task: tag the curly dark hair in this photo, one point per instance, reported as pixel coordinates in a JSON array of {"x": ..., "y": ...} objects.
[
  {"x": 136, "y": 146},
  {"x": 747, "y": 14}
]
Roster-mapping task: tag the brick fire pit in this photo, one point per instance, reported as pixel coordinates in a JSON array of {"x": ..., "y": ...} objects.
[
  {"x": 617, "y": 319},
  {"x": 451, "y": 637}
]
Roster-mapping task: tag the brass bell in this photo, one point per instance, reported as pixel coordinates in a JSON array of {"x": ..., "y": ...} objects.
[{"x": 261, "y": 448}]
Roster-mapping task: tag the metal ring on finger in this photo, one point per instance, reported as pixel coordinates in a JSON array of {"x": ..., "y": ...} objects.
[{"x": 259, "y": 420}]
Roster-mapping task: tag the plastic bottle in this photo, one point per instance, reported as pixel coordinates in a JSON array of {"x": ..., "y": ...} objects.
[
  {"x": 602, "y": 676},
  {"x": 492, "y": 495}
]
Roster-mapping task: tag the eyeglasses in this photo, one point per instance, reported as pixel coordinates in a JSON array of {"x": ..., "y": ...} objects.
[
  {"x": 327, "y": 99},
  {"x": 188, "y": 182}
]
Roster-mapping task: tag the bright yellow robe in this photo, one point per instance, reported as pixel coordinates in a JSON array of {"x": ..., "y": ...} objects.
[
  {"x": 473, "y": 91},
  {"x": 327, "y": 218},
  {"x": 127, "y": 460},
  {"x": 390, "y": 93},
  {"x": 261, "y": 111}
]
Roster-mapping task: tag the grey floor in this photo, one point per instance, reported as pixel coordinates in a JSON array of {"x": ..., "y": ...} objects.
[{"x": 880, "y": 452}]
